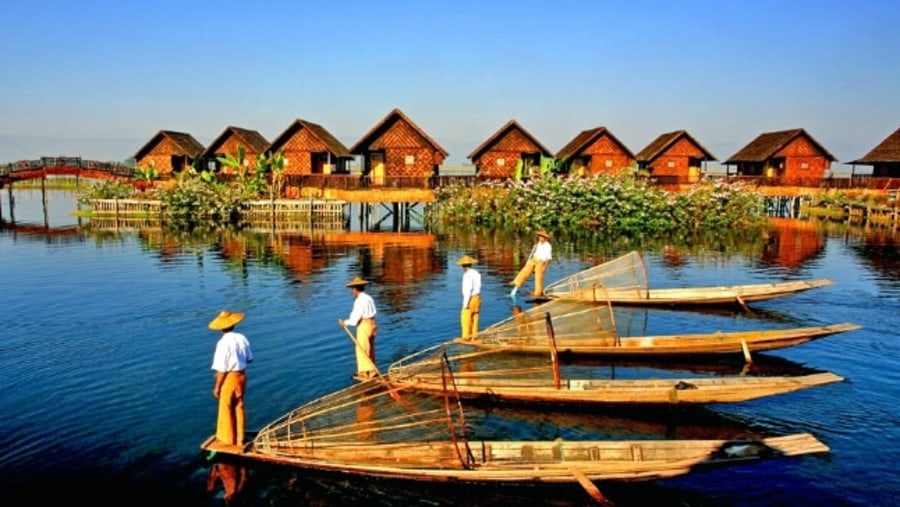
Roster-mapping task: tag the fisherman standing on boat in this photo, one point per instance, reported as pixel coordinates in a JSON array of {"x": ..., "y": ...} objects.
[
  {"x": 363, "y": 317},
  {"x": 471, "y": 294},
  {"x": 230, "y": 362},
  {"x": 538, "y": 259}
]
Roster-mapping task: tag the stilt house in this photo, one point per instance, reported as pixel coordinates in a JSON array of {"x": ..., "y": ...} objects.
[
  {"x": 311, "y": 149},
  {"x": 510, "y": 152},
  {"x": 884, "y": 158},
  {"x": 595, "y": 151},
  {"x": 675, "y": 157},
  {"x": 169, "y": 151},
  {"x": 396, "y": 152},
  {"x": 790, "y": 157},
  {"x": 228, "y": 142}
]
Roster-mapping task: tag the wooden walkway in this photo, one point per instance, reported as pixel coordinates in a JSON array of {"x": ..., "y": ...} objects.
[{"x": 278, "y": 214}]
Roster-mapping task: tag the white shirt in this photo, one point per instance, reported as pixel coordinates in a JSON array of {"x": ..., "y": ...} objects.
[
  {"x": 232, "y": 353},
  {"x": 363, "y": 308},
  {"x": 471, "y": 285},
  {"x": 543, "y": 251}
]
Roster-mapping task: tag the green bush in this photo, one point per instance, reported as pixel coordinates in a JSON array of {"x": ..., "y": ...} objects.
[{"x": 608, "y": 204}]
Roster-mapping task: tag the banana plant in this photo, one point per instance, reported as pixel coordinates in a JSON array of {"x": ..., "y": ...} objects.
[{"x": 239, "y": 163}]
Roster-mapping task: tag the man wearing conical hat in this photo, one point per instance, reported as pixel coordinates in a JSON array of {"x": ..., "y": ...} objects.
[
  {"x": 537, "y": 262},
  {"x": 471, "y": 297},
  {"x": 230, "y": 361},
  {"x": 363, "y": 317}
]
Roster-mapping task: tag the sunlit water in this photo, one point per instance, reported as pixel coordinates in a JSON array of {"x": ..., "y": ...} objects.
[{"x": 105, "y": 356}]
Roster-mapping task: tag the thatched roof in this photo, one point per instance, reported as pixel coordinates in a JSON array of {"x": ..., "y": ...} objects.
[
  {"x": 585, "y": 139},
  {"x": 503, "y": 131},
  {"x": 330, "y": 142},
  {"x": 250, "y": 139},
  {"x": 766, "y": 145},
  {"x": 186, "y": 143},
  {"x": 385, "y": 123},
  {"x": 888, "y": 151},
  {"x": 666, "y": 141}
]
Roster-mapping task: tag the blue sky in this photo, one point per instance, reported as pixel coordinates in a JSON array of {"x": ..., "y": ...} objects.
[{"x": 98, "y": 78}]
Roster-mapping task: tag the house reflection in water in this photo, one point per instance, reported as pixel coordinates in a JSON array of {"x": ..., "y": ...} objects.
[
  {"x": 791, "y": 243},
  {"x": 396, "y": 261}
]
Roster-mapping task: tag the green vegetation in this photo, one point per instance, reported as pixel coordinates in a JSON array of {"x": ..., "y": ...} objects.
[
  {"x": 198, "y": 199},
  {"x": 611, "y": 204}
]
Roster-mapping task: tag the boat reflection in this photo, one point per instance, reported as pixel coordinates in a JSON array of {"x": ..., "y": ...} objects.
[{"x": 285, "y": 486}]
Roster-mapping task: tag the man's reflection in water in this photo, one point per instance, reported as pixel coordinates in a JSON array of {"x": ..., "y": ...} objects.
[{"x": 233, "y": 478}]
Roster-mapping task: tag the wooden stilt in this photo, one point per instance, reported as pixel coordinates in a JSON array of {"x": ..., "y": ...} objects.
[
  {"x": 590, "y": 487},
  {"x": 746, "y": 350},
  {"x": 743, "y": 303}
]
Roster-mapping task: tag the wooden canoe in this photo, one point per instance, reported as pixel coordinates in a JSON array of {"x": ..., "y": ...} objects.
[
  {"x": 737, "y": 295},
  {"x": 462, "y": 372},
  {"x": 623, "y": 281},
  {"x": 598, "y": 343},
  {"x": 702, "y": 390},
  {"x": 552, "y": 461}
]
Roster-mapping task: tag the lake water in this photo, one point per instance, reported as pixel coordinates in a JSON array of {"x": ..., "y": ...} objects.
[{"x": 106, "y": 357}]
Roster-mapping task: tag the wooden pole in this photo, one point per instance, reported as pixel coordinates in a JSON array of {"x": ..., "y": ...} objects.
[{"x": 391, "y": 389}]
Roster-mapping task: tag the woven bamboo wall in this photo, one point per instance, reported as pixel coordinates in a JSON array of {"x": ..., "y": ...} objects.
[
  {"x": 676, "y": 160},
  {"x": 508, "y": 149},
  {"x": 803, "y": 162},
  {"x": 298, "y": 149},
  {"x": 406, "y": 153},
  {"x": 160, "y": 156},
  {"x": 607, "y": 157},
  {"x": 230, "y": 145}
]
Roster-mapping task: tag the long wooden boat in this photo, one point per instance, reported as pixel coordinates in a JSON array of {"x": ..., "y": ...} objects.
[
  {"x": 375, "y": 428},
  {"x": 590, "y": 330},
  {"x": 502, "y": 461},
  {"x": 623, "y": 281},
  {"x": 499, "y": 376}
]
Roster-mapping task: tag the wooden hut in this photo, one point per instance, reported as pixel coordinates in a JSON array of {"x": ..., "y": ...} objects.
[
  {"x": 510, "y": 152},
  {"x": 884, "y": 158},
  {"x": 311, "y": 149},
  {"x": 228, "y": 142},
  {"x": 674, "y": 156},
  {"x": 169, "y": 151},
  {"x": 396, "y": 149},
  {"x": 595, "y": 151},
  {"x": 792, "y": 157}
]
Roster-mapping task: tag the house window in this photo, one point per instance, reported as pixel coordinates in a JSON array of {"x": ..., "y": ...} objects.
[
  {"x": 608, "y": 163},
  {"x": 671, "y": 163},
  {"x": 501, "y": 162},
  {"x": 804, "y": 165},
  {"x": 410, "y": 159}
]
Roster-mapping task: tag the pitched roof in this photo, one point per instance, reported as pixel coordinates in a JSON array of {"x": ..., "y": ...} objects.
[
  {"x": 385, "y": 122},
  {"x": 186, "y": 143},
  {"x": 330, "y": 142},
  {"x": 766, "y": 145},
  {"x": 251, "y": 139},
  {"x": 502, "y": 131},
  {"x": 666, "y": 141},
  {"x": 584, "y": 139},
  {"x": 886, "y": 151}
]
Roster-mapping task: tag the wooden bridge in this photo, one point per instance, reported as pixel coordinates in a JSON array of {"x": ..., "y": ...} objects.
[{"x": 62, "y": 166}]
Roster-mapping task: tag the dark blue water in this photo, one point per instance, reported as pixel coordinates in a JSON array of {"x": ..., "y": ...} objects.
[{"x": 105, "y": 357}]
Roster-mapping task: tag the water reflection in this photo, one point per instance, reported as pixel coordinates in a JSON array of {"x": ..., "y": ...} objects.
[
  {"x": 232, "y": 478},
  {"x": 792, "y": 243}
]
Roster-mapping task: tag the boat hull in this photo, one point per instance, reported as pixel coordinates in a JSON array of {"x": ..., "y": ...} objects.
[
  {"x": 628, "y": 392},
  {"x": 736, "y": 295},
  {"x": 554, "y": 461},
  {"x": 602, "y": 344}
]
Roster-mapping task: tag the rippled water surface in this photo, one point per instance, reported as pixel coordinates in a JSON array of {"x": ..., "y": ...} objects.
[{"x": 105, "y": 355}]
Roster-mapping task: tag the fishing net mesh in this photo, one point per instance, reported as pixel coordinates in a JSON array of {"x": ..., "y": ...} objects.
[{"x": 626, "y": 273}]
